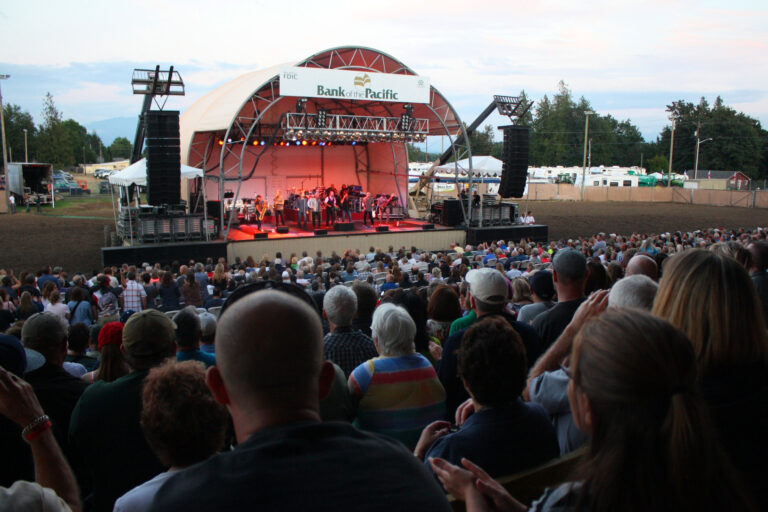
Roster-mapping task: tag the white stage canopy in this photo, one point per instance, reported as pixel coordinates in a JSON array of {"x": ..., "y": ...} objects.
[
  {"x": 136, "y": 174},
  {"x": 480, "y": 165}
]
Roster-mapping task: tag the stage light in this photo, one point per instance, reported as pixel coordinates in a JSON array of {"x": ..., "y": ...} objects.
[
  {"x": 304, "y": 143},
  {"x": 282, "y": 143},
  {"x": 354, "y": 143},
  {"x": 322, "y": 143},
  {"x": 329, "y": 143},
  {"x": 263, "y": 143},
  {"x": 221, "y": 142},
  {"x": 322, "y": 117},
  {"x": 242, "y": 139},
  {"x": 255, "y": 143},
  {"x": 298, "y": 143},
  {"x": 300, "y": 134},
  {"x": 229, "y": 141},
  {"x": 314, "y": 143}
]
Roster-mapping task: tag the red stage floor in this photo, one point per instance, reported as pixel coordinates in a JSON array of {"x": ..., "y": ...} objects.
[{"x": 246, "y": 231}]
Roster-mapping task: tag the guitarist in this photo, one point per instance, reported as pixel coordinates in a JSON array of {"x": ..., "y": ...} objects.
[
  {"x": 383, "y": 206},
  {"x": 331, "y": 204},
  {"x": 345, "y": 206}
]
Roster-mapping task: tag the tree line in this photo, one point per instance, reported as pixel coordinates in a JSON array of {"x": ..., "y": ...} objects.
[
  {"x": 64, "y": 144},
  {"x": 738, "y": 142}
]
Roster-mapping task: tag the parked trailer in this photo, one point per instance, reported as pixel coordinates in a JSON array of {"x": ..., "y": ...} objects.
[{"x": 28, "y": 181}]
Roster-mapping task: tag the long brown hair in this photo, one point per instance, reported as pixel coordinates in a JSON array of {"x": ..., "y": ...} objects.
[
  {"x": 712, "y": 299},
  {"x": 112, "y": 365},
  {"x": 653, "y": 445}
]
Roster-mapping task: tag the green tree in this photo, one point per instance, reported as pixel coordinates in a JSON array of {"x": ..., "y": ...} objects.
[
  {"x": 53, "y": 141},
  {"x": 481, "y": 141},
  {"x": 121, "y": 148},
  {"x": 657, "y": 163},
  {"x": 76, "y": 134},
  {"x": 16, "y": 121}
]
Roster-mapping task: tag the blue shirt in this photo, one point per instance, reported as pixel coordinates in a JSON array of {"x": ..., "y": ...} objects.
[
  {"x": 501, "y": 440},
  {"x": 83, "y": 314},
  {"x": 550, "y": 390},
  {"x": 388, "y": 286},
  {"x": 196, "y": 355}
]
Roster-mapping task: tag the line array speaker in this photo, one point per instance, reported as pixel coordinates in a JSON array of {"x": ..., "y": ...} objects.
[
  {"x": 514, "y": 170},
  {"x": 163, "y": 157},
  {"x": 452, "y": 213}
]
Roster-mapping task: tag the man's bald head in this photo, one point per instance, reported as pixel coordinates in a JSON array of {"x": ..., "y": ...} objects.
[
  {"x": 643, "y": 264},
  {"x": 269, "y": 350}
]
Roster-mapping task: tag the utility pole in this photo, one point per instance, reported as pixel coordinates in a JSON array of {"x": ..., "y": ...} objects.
[
  {"x": 2, "y": 127},
  {"x": 589, "y": 155},
  {"x": 26, "y": 155},
  {"x": 641, "y": 159},
  {"x": 587, "y": 113},
  {"x": 671, "y": 153}
]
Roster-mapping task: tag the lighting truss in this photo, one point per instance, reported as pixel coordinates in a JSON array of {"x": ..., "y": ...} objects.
[
  {"x": 334, "y": 127},
  {"x": 512, "y": 106}
]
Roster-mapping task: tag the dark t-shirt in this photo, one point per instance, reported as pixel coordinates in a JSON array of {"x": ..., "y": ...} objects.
[
  {"x": 306, "y": 466},
  {"x": 550, "y": 324},
  {"x": 107, "y": 440}
]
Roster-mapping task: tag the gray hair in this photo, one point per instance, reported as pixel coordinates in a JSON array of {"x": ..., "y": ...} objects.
[
  {"x": 340, "y": 305},
  {"x": 570, "y": 265},
  {"x": 394, "y": 330},
  {"x": 637, "y": 291},
  {"x": 199, "y": 267}
]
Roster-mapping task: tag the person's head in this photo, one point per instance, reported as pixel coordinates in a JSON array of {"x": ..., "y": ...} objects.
[
  {"x": 131, "y": 275},
  {"x": 569, "y": 271},
  {"x": 207, "y": 327},
  {"x": 45, "y": 333},
  {"x": 55, "y": 296},
  {"x": 636, "y": 394},
  {"x": 366, "y": 299},
  {"x": 712, "y": 299},
  {"x": 443, "y": 305},
  {"x": 148, "y": 339},
  {"x": 521, "y": 290},
  {"x": 25, "y": 302},
  {"x": 488, "y": 290},
  {"x": 78, "y": 337},
  {"x": 734, "y": 250},
  {"x": 542, "y": 285},
  {"x": 636, "y": 291},
  {"x": 47, "y": 289},
  {"x": 182, "y": 422},
  {"x": 492, "y": 362},
  {"x": 643, "y": 263},
  {"x": 597, "y": 277},
  {"x": 758, "y": 252},
  {"x": 340, "y": 306},
  {"x": 266, "y": 366},
  {"x": 112, "y": 363},
  {"x": 188, "y": 328},
  {"x": 393, "y": 330}
]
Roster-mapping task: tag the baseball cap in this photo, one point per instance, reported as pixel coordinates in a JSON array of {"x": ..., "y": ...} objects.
[
  {"x": 207, "y": 324},
  {"x": 12, "y": 356},
  {"x": 43, "y": 325},
  {"x": 542, "y": 284},
  {"x": 488, "y": 285},
  {"x": 111, "y": 333},
  {"x": 148, "y": 333}
]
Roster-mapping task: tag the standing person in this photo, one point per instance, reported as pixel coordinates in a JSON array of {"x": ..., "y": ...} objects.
[
  {"x": 314, "y": 204},
  {"x": 346, "y": 213},
  {"x": 191, "y": 291},
  {"x": 107, "y": 304},
  {"x": 301, "y": 207},
  {"x": 80, "y": 310},
  {"x": 12, "y": 201},
  {"x": 169, "y": 292},
  {"x": 383, "y": 207},
  {"x": 277, "y": 203},
  {"x": 133, "y": 298},
  {"x": 57, "y": 308},
  {"x": 368, "y": 202},
  {"x": 331, "y": 204},
  {"x": 269, "y": 375}
]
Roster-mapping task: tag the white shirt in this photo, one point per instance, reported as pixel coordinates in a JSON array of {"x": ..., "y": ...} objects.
[
  {"x": 11, "y": 199},
  {"x": 140, "y": 498}
]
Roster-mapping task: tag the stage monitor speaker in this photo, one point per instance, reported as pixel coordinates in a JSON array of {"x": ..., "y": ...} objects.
[
  {"x": 428, "y": 226},
  {"x": 514, "y": 170},
  {"x": 452, "y": 215},
  {"x": 260, "y": 235},
  {"x": 382, "y": 228},
  {"x": 282, "y": 229},
  {"x": 344, "y": 226},
  {"x": 321, "y": 232},
  {"x": 163, "y": 157}
]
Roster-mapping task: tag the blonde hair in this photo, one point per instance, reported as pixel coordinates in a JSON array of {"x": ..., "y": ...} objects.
[
  {"x": 712, "y": 299},
  {"x": 521, "y": 290}
]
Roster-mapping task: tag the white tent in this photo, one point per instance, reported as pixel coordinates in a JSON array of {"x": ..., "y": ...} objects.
[
  {"x": 136, "y": 174},
  {"x": 480, "y": 165}
]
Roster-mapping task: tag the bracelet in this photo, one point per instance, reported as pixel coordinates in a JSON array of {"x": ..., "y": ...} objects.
[{"x": 37, "y": 427}]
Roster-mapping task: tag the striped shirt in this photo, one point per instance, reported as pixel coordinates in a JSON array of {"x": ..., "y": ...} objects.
[
  {"x": 132, "y": 296},
  {"x": 398, "y": 396}
]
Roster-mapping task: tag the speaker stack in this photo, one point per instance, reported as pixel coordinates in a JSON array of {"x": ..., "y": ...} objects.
[
  {"x": 163, "y": 157},
  {"x": 514, "y": 171},
  {"x": 452, "y": 213}
]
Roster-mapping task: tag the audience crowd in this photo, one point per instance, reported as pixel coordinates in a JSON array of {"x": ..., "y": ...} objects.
[{"x": 388, "y": 378}]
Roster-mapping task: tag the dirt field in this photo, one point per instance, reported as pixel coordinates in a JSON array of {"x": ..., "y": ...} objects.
[{"x": 31, "y": 241}]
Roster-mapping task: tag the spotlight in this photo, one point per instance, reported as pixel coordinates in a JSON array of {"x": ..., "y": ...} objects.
[
  {"x": 354, "y": 142},
  {"x": 304, "y": 143},
  {"x": 322, "y": 143},
  {"x": 221, "y": 142},
  {"x": 263, "y": 143},
  {"x": 322, "y": 117},
  {"x": 290, "y": 134},
  {"x": 300, "y": 134},
  {"x": 255, "y": 143},
  {"x": 314, "y": 143}
]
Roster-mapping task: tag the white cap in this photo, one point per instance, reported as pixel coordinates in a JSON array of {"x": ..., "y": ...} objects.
[{"x": 488, "y": 285}]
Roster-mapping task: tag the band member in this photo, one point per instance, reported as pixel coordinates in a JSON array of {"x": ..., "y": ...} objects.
[
  {"x": 301, "y": 207},
  {"x": 315, "y": 204},
  {"x": 259, "y": 210},
  {"x": 383, "y": 206},
  {"x": 345, "y": 206},
  {"x": 278, "y": 203},
  {"x": 368, "y": 203},
  {"x": 331, "y": 204}
]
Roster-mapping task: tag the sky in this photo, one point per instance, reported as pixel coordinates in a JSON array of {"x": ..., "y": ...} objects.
[{"x": 629, "y": 59}]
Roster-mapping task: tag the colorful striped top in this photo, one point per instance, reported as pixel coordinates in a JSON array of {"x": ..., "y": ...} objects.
[{"x": 398, "y": 396}]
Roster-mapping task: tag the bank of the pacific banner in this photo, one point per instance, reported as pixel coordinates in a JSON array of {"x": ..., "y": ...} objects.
[{"x": 353, "y": 85}]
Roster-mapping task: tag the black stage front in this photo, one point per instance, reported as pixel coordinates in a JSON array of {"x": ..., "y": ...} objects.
[
  {"x": 535, "y": 232},
  {"x": 163, "y": 253}
]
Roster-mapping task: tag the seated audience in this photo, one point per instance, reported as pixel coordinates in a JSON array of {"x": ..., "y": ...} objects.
[
  {"x": 542, "y": 291},
  {"x": 112, "y": 364},
  {"x": 344, "y": 345},
  {"x": 77, "y": 344},
  {"x": 397, "y": 393},
  {"x": 188, "y": 332},
  {"x": 442, "y": 309},
  {"x": 208, "y": 333},
  {"x": 268, "y": 375},
  {"x": 637, "y": 291}
]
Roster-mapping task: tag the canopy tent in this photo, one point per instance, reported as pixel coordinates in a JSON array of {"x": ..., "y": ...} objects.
[
  {"x": 481, "y": 165},
  {"x": 136, "y": 174}
]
